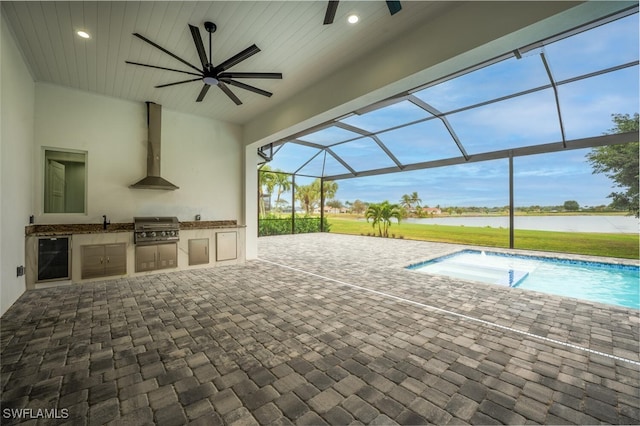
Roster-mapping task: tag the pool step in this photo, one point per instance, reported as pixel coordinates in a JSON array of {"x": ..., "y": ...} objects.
[{"x": 506, "y": 277}]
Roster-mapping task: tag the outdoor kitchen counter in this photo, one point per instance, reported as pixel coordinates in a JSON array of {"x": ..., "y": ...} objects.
[
  {"x": 97, "y": 228},
  {"x": 224, "y": 238},
  {"x": 75, "y": 228},
  {"x": 210, "y": 224}
]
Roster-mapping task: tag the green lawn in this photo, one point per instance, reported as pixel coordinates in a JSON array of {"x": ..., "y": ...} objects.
[{"x": 611, "y": 245}]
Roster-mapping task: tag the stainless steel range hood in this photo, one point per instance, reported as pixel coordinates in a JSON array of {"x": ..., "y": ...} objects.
[{"x": 153, "y": 180}]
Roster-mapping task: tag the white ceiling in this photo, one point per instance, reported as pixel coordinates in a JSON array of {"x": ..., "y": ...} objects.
[{"x": 290, "y": 34}]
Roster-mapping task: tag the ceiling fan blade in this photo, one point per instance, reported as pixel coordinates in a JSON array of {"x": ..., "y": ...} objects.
[
  {"x": 274, "y": 75},
  {"x": 197, "y": 39},
  {"x": 203, "y": 92},
  {"x": 248, "y": 87},
  {"x": 143, "y": 38},
  {"x": 229, "y": 93},
  {"x": 245, "y": 54},
  {"x": 394, "y": 6},
  {"x": 178, "y": 82},
  {"x": 161, "y": 68},
  {"x": 332, "y": 7}
]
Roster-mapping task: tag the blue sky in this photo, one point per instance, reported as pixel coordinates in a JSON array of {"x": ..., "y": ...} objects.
[
  {"x": 548, "y": 179},
  {"x": 531, "y": 119}
]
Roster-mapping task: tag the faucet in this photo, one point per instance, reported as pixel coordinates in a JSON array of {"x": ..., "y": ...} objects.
[{"x": 105, "y": 222}]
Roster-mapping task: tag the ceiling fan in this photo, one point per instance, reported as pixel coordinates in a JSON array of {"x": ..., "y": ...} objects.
[
  {"x": 210, "y": 74},
  {"x": 394, "y": 7}
]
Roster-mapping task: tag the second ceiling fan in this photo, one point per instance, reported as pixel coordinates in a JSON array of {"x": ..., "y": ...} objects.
[
  {"x": 332, "y": 7},
  {"x": 209, "y": 74}
]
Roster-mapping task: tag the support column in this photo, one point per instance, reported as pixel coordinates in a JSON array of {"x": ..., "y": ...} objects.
[
  {"x": 321, "y": 204},
  {"x": 293, "y": 204},
  {"x": 511, "y": 206},
  {"x": 250, "y": 205}
]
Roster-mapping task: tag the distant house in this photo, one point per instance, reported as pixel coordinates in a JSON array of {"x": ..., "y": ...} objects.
[
  {"x": 328, "y": 209},
  {"x": 431, "y": 210}
]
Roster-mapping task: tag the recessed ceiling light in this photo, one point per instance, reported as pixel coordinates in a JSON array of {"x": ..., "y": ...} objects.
[
  {"x": 352, "y": 19},
  {"x": 83, "y": 34}
]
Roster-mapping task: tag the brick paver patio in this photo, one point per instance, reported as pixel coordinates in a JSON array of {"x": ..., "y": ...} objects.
[{"x": 324, "y": 329}]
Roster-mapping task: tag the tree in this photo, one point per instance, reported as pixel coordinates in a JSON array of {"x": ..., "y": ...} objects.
[
  {"x": 334, "y": 204},
  {"x": 309, "y": 195},
  {"x": 381, "y": 215},
  {"x": 571, "y": 206},
  {"x": 410, "y": 201},
  {"x": 405, "y": 201},
  {"x": 283, "y": 183},
  {"x": 330, "y": 188},
  {"x": 358, "y": 207},
  {"x": 620, "y": 164},
  {"x": 266, "y": 183},
  {"x": 415, "y": 199}
]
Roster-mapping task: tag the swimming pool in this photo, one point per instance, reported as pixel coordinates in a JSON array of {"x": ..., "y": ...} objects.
[{"x": 599, "y": 282}]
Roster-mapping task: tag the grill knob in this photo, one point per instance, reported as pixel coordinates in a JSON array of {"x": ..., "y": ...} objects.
[
  {"x": 153, "y": 234},
  {"x": 143, "y": 235}
]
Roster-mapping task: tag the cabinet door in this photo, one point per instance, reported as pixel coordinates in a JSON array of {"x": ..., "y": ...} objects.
[
  {"x": 115, "y": 259},
  {"x": 199, "y": 251},
  {"x": 167, "y": 256},
  {"x": 226, "y": 246},
  {"x": 92, "y": 261},
  {"x": 146, "y": 258}
]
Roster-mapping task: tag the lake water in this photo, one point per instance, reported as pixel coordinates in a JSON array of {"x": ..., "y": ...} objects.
[{"x": 604, "y": 224}]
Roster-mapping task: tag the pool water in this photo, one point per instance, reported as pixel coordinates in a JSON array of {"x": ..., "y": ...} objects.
[{"x": 599, "y": 282}]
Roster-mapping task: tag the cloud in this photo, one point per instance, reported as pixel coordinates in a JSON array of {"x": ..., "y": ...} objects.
[{"x": 547, "y": 179}]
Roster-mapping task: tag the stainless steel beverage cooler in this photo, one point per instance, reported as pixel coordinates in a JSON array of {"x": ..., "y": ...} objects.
[{"x": 54, "y": 260}]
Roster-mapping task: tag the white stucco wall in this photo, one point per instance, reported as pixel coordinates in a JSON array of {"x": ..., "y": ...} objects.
[
  {"x": 202, "y": 156},
  {"x": 16, "y": 147}
]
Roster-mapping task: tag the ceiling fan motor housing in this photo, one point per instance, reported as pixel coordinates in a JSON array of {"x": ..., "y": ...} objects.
[
  {"x": 210, "y": 26},
  {"x": 211, "y": 81}
]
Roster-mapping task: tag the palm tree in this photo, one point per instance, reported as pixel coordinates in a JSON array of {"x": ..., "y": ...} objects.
[
  {"x": 309, "y": 195},
  {"x": 410, "y": 202},
  {"x": 283, "y": 183},
  {"x": 415, "y": 199},
  {"x": 266, "y": 183},
  {"x": 406, "y": 201},
  {"x": 306, "y": 194},
  {"x": 330, "y": 188},
  {"x": 381, "y": 215},
  {"x": 374, "y": 212},
  {"x": 390, "y": 211}
]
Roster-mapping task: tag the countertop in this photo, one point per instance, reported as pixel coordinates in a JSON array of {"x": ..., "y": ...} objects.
[{"x": 97, "y": 228}]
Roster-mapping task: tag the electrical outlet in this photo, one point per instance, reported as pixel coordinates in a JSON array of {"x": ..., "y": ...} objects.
[{"x": 20, "y": 270}]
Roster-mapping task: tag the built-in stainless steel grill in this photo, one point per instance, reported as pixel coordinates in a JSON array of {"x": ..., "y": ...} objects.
[{"x": 156, "y": 230}]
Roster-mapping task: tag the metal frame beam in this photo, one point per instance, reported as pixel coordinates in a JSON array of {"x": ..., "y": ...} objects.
[
  {"x": 382, "y": 146},
  {"x": 341, "y": 161},
  {"x": 555, "y": 94},
  {"x": 294, "y": 138},
  {"x": 371, "y": 135},
  {"x": 592, "y": 142},
  {"x": 433, "y": 111},
  {"x": 325, "y": 149}
]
